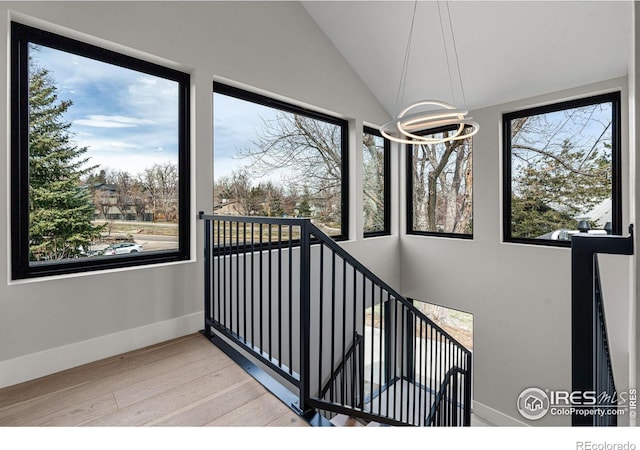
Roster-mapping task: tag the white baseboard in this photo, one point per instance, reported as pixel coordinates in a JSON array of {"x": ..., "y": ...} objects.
[
  {"x": 46, "y": 362},
  {"x": 494, "y": 416}
]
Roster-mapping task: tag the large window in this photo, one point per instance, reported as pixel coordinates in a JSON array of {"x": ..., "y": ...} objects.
[
  {"x": 440, "y": 187},
  {"x": 562, "y": 169},
  {"x": 275, "y": 159},
  {"x": 375, "y": 180},
  {"x": 99, "y": 158}
]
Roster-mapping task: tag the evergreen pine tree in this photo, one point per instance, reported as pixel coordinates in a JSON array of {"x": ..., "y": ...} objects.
[{"x": 60, "y": 208}]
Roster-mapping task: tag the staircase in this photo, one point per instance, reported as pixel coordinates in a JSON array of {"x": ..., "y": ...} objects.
[{"x": 348, "y": 346}]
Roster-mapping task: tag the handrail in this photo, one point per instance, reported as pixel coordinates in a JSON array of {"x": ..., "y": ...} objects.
[
  {"x": 436, "y": 407},
  {"x": 407, "y": 330},
  {"x": 590, "y": 351},
  {"x": 340, "y": 368},
  {"x": 333, "y": 245},
  {"x": 307, "y": 309}
]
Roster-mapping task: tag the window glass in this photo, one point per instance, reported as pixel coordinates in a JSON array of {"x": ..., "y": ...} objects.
[
  {"x": 274, "y": 159},
  {"x": 562, "y": 171},
  {"x": 99, "y": 157},
  {"x": 440, "y": 189},
  {"x": 375, "y": 181}
]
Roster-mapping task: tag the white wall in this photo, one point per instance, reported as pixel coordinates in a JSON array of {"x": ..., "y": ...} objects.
[
  {"x": 520, "y": 295},
  {"x": 51, "y": 324}
]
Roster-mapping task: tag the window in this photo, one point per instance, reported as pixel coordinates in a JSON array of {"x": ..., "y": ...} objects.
[
  {"x": 440, "y": 187},
  {"x": 375, "y": 181},
  {"x": 275, "y": 159},
  {"x": 562, "y": 168},
  {"x": 100, "y": 155}
]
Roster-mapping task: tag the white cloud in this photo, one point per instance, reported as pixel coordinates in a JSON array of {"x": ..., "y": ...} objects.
[
  {"x": 134, "y": 163},
  {"x": 100, "y": 121}
]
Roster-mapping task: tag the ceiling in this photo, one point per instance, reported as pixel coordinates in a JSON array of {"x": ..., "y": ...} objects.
[{"x": 507, "y": 50}]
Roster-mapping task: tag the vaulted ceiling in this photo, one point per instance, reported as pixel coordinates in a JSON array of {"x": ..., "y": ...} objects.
[{"x": 507, "y": 50}]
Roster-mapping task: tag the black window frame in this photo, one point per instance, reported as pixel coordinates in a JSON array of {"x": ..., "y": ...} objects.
[
  {"x": 242, "y": 94},
  {"x": 616, "y": 162},
  {"x": 21, "y": 36},
  {"x": 386, "y": 160},
  {"x": 409, "y": 191}
]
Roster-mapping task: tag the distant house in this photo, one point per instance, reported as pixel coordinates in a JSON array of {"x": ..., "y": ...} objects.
[{"x": 105, "y": 199}]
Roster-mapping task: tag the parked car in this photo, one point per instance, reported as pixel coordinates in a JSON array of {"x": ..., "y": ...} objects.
[{"x": 123, "y": 248}]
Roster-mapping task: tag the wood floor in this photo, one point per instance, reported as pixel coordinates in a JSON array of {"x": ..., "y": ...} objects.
[{"x": 184, "y": 382}]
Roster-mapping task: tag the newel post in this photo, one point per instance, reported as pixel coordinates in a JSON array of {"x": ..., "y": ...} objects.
[{"x": 305, "y": 317}]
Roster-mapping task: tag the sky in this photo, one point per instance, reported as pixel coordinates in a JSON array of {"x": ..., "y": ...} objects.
[
  {"x": 127, "y": 119},
  {"x": 235, "y": 124}
]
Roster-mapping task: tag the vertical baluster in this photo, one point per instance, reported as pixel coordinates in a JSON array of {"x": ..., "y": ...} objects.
[
  {"x": 261, "y": 287},
  {"x": 388, "y": 352},
  {"x": 207, "y": 274},
  {"x": 455, "y": 387},
  {"x": 371, "y": 345},
  {"x": 321, "y": 318},
  {"x": 364, "y": 340},
  {"x": 440, "y": 364},
  {"x": 269, "y": 297},
  {"x": 354, "y": 331},
  {"x": 402, "y": 336},
  {"x": 417, "y": 358},
  {"x": 431, "y": 367},
  {"x": 244, "y": 281},
  {"x": 225, "y": 295},
  {"x": 380, "y": 347},
  {"x": 290, "y": 248},
  {"x": 253, "y": 295},
  {"x": 394, "y": 338},
  {"x": 333, "y": 317},
  {"x": 279, "y": 313},
  {"x": 237, "y": 299},
  {"x": 343, "y": 392},
  {"x": 219, "y": 262},
  {"x": 421, "y": 371}
]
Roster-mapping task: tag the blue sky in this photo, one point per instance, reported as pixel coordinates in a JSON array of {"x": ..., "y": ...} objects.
[
  {"x": 235, "y": 123},
  {"x": 127, "y": 119}
]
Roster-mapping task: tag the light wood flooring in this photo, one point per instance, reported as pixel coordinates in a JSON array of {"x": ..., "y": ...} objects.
[{"x": 184, "y": 382}]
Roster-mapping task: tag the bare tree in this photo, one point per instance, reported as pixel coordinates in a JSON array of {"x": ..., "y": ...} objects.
[
  {"x": 306, "y": 152},
  {"x": 442, "y": 186},
  {"x": 561, "y": 166},
  {"x": 161, "y": 183},
  {"x": 373, "y": 183}
]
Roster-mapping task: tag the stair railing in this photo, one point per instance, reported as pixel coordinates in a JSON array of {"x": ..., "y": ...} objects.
[
  {"x": 591, "y": 364},
  {"x": 300, "y": 304},
  {"x": 348, "y": 378},
  {"x": 445, "y": 409}
]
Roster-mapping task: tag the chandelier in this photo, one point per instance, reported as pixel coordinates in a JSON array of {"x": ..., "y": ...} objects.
[{"x": 414, "y": 120}]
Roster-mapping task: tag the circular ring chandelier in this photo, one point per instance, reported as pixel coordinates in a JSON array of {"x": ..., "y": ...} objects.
[
  {"x": 407, "y": 125},
  {"x": 416, "y": 123}
]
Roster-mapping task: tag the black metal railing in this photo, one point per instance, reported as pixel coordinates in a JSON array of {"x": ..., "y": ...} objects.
[
  {"x": 346, "y": 385},
  {"x": 250, "y": 297},
  {"x": 446, "y": 406},
  {"x": 322, "y": 321},
  {"x": 591, "y": 363}
]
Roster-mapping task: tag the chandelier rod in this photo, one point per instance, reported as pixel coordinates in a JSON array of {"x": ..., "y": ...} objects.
[
  {"x": 405, "y": 64},
  {"x": 446, "y": 52},
  {"x": 455, "y": 52}
]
